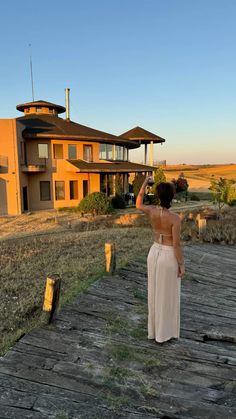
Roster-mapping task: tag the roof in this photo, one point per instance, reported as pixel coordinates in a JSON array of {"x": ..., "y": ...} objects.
[
  {"x": 41, "y": 103},
  {"x": 46, "y": 126},
  {"x": 110, "y": 167},
  {"x": 142, "y": 135}
]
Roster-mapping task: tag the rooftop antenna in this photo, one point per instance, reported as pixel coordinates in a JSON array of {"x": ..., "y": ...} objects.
[{"x": 31, "y": 72}]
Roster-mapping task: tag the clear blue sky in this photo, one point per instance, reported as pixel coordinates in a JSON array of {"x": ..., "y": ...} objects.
[{"x": 166, "y": 65}]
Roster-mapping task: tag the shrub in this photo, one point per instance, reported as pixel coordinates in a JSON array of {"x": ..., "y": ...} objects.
[
  {"x": 232, "y": 196},
  {"x": 194, "y": 197},
  {"x": 95, "y": 203},
  {"x": 118, "y": 201},
  {"x": 223, "y": 192},
  {"x": 119, "y": 185}
]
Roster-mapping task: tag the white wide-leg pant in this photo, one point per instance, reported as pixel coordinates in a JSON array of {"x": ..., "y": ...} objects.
[{"x": 163, "y": 293}]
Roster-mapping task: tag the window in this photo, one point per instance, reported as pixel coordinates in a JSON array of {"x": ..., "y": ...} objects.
[
  {"x": 88, "y": 153},
  {"x": 43, "y": 151},
  {"x": 58, "y": 151},
  {"x": 59, "y": 189},
  {"x": 38, "y": 109},
  {"x": 105, "y": 152},
  {"x": 45, "y": 192},
  {"x": 119, "y": 152},
  {"x": 23, "y": 152},
  {"x": 72, "y": 151},
  {"x": 73, "y": 189}
]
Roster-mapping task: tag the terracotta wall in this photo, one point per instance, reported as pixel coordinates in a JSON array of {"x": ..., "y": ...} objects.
[
  {"x": 57, "y": 170},
  {"x": 10, "y": 199},
  {"x": 16, "y": 177}
]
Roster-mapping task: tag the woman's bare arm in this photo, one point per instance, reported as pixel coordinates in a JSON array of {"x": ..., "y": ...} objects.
[
  {"x": 176, "y": 230},
  {"x": 139, "y": 200}
]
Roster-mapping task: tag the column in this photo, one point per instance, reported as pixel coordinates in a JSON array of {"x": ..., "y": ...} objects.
[
  {"x": 113, "y": 151},
  {"x": 113, "y": 185},
  {"x": 145, "y": 153},
  {"x": 151, "y": 153},
  {"x": 126, "y": 189}
]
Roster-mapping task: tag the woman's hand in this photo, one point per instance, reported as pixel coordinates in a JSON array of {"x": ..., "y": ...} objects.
[
  {"x": 181, "y": 271},
  {"x": 147, "y": 180}
]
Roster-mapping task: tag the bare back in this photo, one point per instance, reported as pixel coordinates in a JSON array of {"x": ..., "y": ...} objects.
[{"x": 162, "y": 222}]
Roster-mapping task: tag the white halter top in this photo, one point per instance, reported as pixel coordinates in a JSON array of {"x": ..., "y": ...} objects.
[{"x": 160, "y": 241}]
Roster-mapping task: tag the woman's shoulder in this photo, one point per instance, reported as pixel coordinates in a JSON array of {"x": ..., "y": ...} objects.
[{"x": 175, "y": 218}]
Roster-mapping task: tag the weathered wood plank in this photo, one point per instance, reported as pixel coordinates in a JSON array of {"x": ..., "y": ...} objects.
[{"x": 96, "y": 361}]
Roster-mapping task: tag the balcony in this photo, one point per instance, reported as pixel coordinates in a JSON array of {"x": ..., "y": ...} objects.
[
  {"x": 33, "y": 168},
  {"x": 3, "y": 164}
]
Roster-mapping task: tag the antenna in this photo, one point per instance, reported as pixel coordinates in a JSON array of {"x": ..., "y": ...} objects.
[{"x": 31, "y": 72}]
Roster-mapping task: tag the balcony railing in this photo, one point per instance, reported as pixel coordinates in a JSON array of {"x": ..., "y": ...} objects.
[
  {"x": 33, "y": 168},
  {"x": 3, "y": 164}
]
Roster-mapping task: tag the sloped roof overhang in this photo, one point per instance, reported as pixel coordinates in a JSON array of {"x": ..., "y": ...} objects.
[
  {"x": 142, "y": 136},
  {"x": 110, "y": 167},
  {"x": 53, "y": 127}
]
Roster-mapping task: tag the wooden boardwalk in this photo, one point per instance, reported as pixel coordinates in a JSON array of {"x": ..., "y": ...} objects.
[{"x": 96, "y": 362}]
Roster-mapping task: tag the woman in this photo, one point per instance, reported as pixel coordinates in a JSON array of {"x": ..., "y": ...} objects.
[{"x": 165, "y": 265}]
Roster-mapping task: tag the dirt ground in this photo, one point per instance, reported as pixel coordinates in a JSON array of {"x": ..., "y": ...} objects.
[{"x": 53, "y": 221}]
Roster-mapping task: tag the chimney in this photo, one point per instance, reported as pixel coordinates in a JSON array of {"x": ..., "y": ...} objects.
[{"x": 67, "y": 90}]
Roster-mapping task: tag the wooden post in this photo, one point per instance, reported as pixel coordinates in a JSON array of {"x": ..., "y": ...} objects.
[
  {"x": 51, "y": 296},
  {"x": 201, "y": 224},
  {"x": 151, "y": 153},
  {"x": 110, "y": 257},
  {"x": 145, "y": 153}
]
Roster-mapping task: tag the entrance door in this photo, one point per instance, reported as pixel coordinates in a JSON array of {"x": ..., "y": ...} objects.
[
  {"x": 85, "y": 188},
  {"x": 25, "y": 198}
]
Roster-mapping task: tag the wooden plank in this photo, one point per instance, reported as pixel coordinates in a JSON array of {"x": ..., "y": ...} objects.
[{"x": 71, "y": 367}]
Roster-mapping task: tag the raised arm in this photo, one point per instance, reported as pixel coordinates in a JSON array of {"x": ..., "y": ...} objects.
[
  {"x": 176, "y": 230},
  {"x": 139, "y": 201}
]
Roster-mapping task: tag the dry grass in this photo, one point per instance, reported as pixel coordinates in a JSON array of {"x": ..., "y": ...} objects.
[
  {"x": 199, "y": 177},
  {"x": 78, "y": 257}
]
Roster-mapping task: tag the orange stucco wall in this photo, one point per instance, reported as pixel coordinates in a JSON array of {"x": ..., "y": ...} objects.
[
  {"x": 57, "y": 170},
  {"x": 10, "y": 199}
]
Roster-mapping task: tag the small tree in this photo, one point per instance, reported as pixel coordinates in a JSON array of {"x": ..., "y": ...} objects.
[
  {"x": 119, "y": 184},
  {"x": 159, "y": 177},
  {"x": 137, "y": 183},
  {"x": 181, "y": 186},
  {"x": 221, "y": 192}
]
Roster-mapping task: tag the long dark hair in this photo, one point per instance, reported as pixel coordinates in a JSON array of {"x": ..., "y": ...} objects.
[{"x": 165, "y": 192}]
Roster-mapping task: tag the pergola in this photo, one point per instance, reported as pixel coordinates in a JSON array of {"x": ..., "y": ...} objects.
[{"x": 145, "y": 137}]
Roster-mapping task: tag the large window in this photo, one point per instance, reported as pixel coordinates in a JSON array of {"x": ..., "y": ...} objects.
[
  {"x": 43, "y": 151},
  {"x": 58, "y": 151},
  {"x": 45, "y": 192},
  {"x": 72, "y": 151},
  {"x": 88, "y": 153},
  {"x": 73, "y": 189},
  {"x": 59, "y": 189},
  {"x": 119, "y": 152},
  {"x": 105, "y": 152}
]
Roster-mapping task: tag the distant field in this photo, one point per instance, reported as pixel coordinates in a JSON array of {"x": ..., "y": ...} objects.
[{"x": 199, "y": 177}]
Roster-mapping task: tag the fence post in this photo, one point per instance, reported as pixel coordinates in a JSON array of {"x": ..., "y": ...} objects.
[
  {"x": 202, "y": 223},
  {"x": 51, "y": 296},
  {"x": 110, "y": 257}
]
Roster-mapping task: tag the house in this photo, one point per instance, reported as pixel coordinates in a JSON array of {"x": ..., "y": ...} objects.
[{"x": 50, "y": 162}]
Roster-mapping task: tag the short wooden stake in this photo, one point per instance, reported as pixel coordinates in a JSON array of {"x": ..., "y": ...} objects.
[
  {"x": 201, "y": 225},
  {"x": 51, "y": 296},
  {"x": 110, "y": 256}
]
